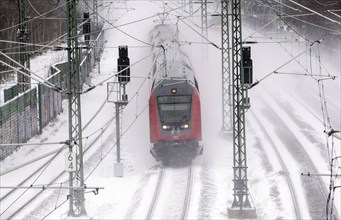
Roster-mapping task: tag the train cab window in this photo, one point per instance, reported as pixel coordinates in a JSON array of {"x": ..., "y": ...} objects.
[{"x": 174, "y": 110}]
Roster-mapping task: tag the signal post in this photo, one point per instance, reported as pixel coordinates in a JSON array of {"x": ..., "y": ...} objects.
[{"x": 123, "y": 74}]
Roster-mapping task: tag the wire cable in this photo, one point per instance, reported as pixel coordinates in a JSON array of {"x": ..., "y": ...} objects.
[
  {"x": 57, "y": 207},
  {"x": 54, "y": 4},
  {"x": 286, "y": 63},
  {"x": 35, "y": 180},
  {"x": 16, "y": 25},
  {"x": 137, "y": 115},
  {"x": 114, "y": 26},
  {"x": 325, "y": 4},
  {"x": 110, "y": 77},
  {"x": 315, "y": 12},
  {"x": 202, "y": 36},
  {"x": 280, "y": 17},
  {"x": 45, "y": 82},
  {"x": 34, "y": 9}
]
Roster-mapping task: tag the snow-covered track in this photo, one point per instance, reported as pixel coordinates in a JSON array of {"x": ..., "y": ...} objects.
[
  {"x": 288, "y": 179},
  {"x": 156, "y": 194},
  {"x": 178, "y": 186},
  {"x": 315, "y": 190},
  {"x": 188, "y": 193},
  {"x": 26, "y": 201}
]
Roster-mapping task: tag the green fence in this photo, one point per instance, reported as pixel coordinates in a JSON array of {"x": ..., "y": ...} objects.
[
  {"x": 10, "y": 93},
  {"x": 50, "y": 101},
  {"x": 18, "y": 121}
]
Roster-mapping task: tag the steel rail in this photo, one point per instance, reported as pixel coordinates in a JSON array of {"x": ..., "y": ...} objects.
[
  {"x": 188, "y": 193},
  {"x": 156, "y": 194},
  {"x": 288, "y": 179},
  {"x": 54, "y": 179},
  {"x": 304, "y": 158}
]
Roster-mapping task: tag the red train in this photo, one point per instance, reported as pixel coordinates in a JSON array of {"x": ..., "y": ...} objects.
[{"x": 174, "y": 103}]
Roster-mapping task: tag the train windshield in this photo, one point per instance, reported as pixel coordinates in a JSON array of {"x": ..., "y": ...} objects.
[{"x": 174, "y": 109}]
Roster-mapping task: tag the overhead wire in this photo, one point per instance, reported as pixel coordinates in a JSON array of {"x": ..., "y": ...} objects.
[
  {"x": 35, "y": 180},
  {"x": 328, "y": 130},
  {"x": 53, "y": 41},
  {"x": 112, "y": 76},
  {"x": 54, "y": 4},
  {"x": 132, "y": 22},
  {"x": 135, "y": 119},
  {"x": 114, "y": 145},
  {"x": 42, "y": 45},
  {"x": 298, "y": 19},
  {"x": 202, "y": 36},
  {"x": 280, "y": 17},
  {"x": 27, "y": 189},
  {"x": 114, "y": 26},
  {"x": 284, "y": 64},
  {"x": 137, "y": 115},
  {"x": 57, "y": 207},
  {"x": 315, "y": 12},
  {"x": 34, "y": 9},
  {"x": 182, "y": 17},
  {"x": 16, "y": 25},
  {"x": 326, "y": 4},
  {"x": 41, "y": 80}
]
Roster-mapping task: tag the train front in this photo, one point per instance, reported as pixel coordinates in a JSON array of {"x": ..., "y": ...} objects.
[{"x": 175, "y": 120}]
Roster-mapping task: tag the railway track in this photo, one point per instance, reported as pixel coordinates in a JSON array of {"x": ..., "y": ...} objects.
[
  {"x": 177, "y": 184},
  {"x": 288, "y": 179},
  {"x": 9, "y": 211},
  {"x": 315, "y": 189}
]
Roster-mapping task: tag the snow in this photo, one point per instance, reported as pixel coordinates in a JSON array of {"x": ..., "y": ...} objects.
[{"x": 129, "y": 197}]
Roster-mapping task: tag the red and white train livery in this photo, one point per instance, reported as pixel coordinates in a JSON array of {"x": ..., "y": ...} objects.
[{"x": 174, "y": 103}]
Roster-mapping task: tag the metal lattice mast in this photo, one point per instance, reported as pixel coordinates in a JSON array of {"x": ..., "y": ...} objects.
[
  {"x": 190, "y": 11},
  {"x": 204, "y": 18},
  {"x": 241, "y": 203},
  {"x": 225, "y": 42},
  {"x": 95, "y": 9},
  {"x": 76, "y": 199},
  {"x": 22, "y": 34}
]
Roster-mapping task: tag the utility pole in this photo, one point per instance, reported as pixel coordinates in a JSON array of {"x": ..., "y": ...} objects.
[
  {"x": 225, "y": 53},
  {"x": 76, "y": 178},
  {"x": 241, "y": 206},
  {"x": 24, "y": 82}
]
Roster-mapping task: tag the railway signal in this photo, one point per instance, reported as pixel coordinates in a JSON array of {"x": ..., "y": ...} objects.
[
  {"x": 123, "y": 63},
  {"x": 86, "y": 27},
  {"x": 119, "y": 88}
]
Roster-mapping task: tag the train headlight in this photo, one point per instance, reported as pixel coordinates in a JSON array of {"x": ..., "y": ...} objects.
[
  {"x": 166, "y": 127},
  {"x": 184, "y": 126}
]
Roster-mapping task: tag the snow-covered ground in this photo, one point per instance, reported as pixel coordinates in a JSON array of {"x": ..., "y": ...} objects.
[{"x": 287, "y": 106}]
